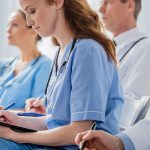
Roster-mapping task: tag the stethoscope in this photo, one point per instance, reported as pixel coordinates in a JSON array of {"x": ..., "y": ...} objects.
[
  {"x": 6, "y": 67},
  {"x": 9, "y": 83},
  {"x": 130, "y": 48},
  {"x": 52, "y": 69}
]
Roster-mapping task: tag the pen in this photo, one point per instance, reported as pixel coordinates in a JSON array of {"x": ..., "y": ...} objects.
[
  {"x": 30, "y": 114},
  {"x": 10, "y": 105},
  {"x": 43, "y": 98},
  {"x": 83, "y": 144}
]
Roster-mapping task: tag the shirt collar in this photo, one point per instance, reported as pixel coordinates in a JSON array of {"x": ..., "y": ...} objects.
[
  {"x": 67, "y": 50},
  {"x": 128, "y": 37}
]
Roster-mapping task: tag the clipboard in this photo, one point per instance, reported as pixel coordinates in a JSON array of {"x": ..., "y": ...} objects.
[
  {"x": 133, "y": 111},
  {"x": 17, "y": 128}
]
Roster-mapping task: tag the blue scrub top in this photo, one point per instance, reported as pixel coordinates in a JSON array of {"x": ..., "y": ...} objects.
[
  {"x": 1, "y": 67},
  {"x": 31, "y": 82},
  {"x": 4, "y": 65},
  {"x": 86, "y": 88}
]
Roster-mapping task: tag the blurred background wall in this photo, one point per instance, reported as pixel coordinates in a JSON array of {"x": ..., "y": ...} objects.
[{"x": 7, "y": 6}]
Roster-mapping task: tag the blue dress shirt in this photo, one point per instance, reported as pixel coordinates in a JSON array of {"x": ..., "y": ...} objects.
[{"x": 128, "y": 144}]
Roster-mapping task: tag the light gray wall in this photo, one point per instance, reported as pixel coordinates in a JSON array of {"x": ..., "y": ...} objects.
[
  {"x": 7, "y": 51},
  {"x": 144, "y": 21},
  {"x": 6, "y": 7}
]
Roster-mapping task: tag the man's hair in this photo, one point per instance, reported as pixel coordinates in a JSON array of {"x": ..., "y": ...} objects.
[{"x": 137, "y": 7}]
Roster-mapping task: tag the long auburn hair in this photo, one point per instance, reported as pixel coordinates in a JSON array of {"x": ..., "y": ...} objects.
[{"x": 85, "y": 23}]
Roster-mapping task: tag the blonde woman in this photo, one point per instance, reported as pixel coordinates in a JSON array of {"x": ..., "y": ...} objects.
[{"x": 26, "y": 75}]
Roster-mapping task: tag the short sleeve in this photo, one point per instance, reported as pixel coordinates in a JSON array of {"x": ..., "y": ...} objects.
[{"x": 89, "y": 84}]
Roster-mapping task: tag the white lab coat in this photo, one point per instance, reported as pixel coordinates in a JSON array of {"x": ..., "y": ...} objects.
[
  {"x": 134, "y": 69},
  {"x": 140, "y": 133}
]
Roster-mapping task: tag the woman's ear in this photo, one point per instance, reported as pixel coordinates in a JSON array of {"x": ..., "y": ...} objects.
[{"x": 59, "y": 4}]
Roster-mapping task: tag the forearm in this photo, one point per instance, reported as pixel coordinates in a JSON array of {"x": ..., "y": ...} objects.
[
  {"x": 36, "y": 123},
  {"x": 54, "y": 137}
]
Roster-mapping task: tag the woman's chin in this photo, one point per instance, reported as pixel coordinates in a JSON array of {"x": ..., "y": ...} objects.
[
  {"x": 43, "y": 34},
  {"x": 11, "y": 43}
]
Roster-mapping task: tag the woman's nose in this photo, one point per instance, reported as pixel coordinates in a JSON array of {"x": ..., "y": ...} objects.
[
  {"x": 8, "y": 30},
  {"x": 29, "y": 21},
  {"x": 102, "y": 8}
]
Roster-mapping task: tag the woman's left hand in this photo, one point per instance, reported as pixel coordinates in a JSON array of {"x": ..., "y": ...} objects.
[{"x": 6, "y": 132}]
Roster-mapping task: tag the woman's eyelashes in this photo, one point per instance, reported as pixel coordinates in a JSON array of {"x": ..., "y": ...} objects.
[
  {"x": 12, "y": 25},
  {"x": 31, "y": 11},
  {"x": 15, "y": 24}
]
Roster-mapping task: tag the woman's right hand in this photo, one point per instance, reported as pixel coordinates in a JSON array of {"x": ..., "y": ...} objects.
[
  {"x": 35, "y": 105},
  {"x": 9, "y": 117}
]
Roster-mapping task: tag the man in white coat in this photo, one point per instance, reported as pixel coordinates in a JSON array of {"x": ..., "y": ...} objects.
[
  {"x": 133, "y": 52},
  {"x": 132, "y": 46}
]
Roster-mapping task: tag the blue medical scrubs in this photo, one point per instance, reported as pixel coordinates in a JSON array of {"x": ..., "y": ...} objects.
[
  {"x": 31, "y": 82},
  {"x": 4, "y": 66},
  {"x": 86, "y": 88}
]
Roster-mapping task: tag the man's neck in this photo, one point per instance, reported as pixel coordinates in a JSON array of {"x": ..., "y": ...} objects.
[
  {"x": 118, "y": 32},
  {"x": 130, "y": 24}
]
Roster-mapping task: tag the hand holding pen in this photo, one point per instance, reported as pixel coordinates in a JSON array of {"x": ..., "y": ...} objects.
[
  {"x": 35, "y": 105},
  {"x": 8, "y": 106},
  {"x": 79, "y": 138},
  {"x": 8, "y": 116}
]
